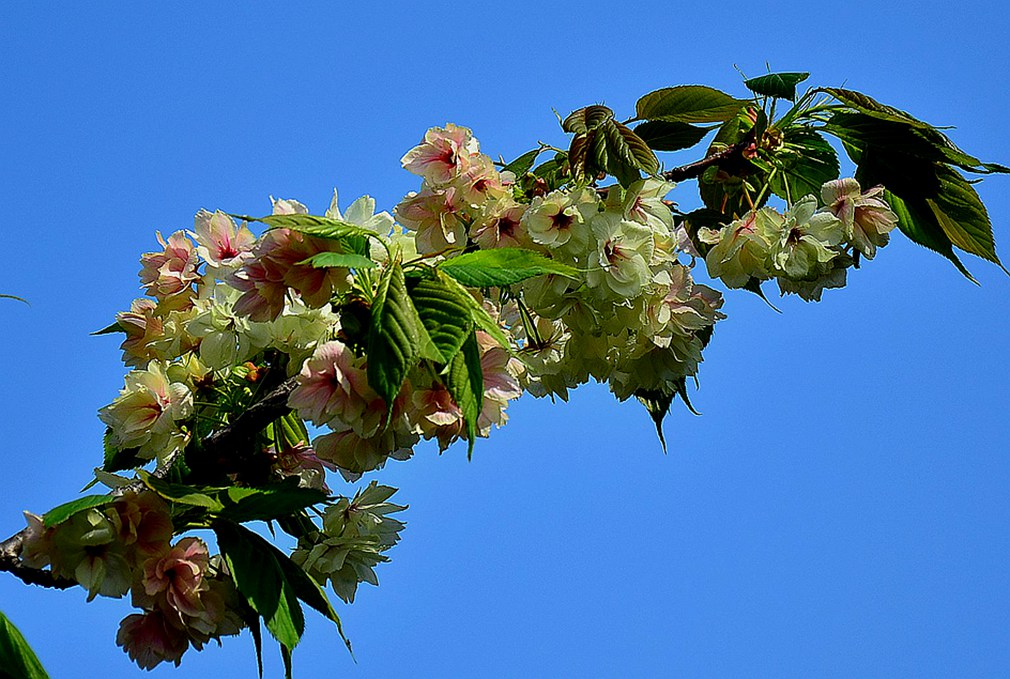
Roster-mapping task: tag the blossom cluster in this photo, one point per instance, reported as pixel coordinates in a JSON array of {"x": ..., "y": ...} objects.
[
  {"x": 186, "y": 597},
  {"x": 227, "y": 312}
]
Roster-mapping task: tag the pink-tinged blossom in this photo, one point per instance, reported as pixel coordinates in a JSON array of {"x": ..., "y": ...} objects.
[
  {"x": 38, "y": 542},
  {"x": 144, "y": 415},
  {"x": 355, "y": 455},
  {"x": 145, "y": 524},
  {"x": 288, "y": 206},
  {"x": 171, "y": 271},
  {"x": 300, "y": 460},
  {"x": 437, "y": 415},
  {"x": 480, "y": 181},
  {"x": 436, "y": 215},
  {"x": 443, "y": 155},
  {"x": 333, "y": 386},
  {"x": 149, "y": 639},
  {"x": 867, "y": 217},
  {"x": 86, "y": 548},
  {"x": 155, "y": 330},
  {"x": 178, "y": 576},
  {"x": 219, "y": 242},
  {"x": 278, "y": 265},
  {"x": 501, "y": 226}
]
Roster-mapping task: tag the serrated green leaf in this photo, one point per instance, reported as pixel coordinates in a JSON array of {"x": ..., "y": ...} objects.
[
  {"x": 465, "y": 383},
  {"x": 872, "y": 107},
  {"x": 688, "y": 104},
  {"x": 345, "y": 260},
  {"x": 17, "y": 659},
  {"x": 183, "y": 494},
  {"x": 523, "y": 163},
  {"x": 962, "y": 216},
  {"x": 255, "y": 566},
  {"x": 118, "y": 460},
  {"x": 661, "y": 135},
  {"x": 781, "y": 85},
  {"x": 627, "y": 153},
  {"x": 446, "y": 317},
  {"x": 586, "y": 119},
  {"x": 501, "y": 267},
  {"x": 481, "y": 318},
  {"x": 313, "y": 225},
  {"x": 267, "y": 502},
  {"x": 61, "y": 513},
  {"x": 917, "y": 221},
  {"x": 309, "y": 591},
  {"x": 394, "y": 338},
  {"x": 107, "y": 330}
]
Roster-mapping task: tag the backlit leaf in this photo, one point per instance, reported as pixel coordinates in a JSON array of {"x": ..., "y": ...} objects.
[
  {"x": 688, "y": 104},
  {"x": 499, "y": 267}
]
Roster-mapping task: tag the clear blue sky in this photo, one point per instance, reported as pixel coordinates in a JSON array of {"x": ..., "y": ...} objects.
[{"x": 840, "y": 509}]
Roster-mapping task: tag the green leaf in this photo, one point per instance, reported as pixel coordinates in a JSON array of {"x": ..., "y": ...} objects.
[
  {"x": 183, "y": 494},
  {"x": 781, "y": 85},
  {"x": 17, "y": 659},
  {"x": 465, "y": 383},
  {"x": 118, "y": 460},
  {"x": 523, "y": 163},
  {"x": 394, "y": 338},
  {"x": 107, "y": 330},
  {"x": 805, "y": 161},
  {"x": 345, "y": 260},
  {"x": 58, "y": 515},
  {"x": 917, "y": 221},
  {"x": 446, "y": 317},
  {"x": 313, "y": 225},
  {"x": 688, "y": 104},
  {"x": 267, "y": 502},
  {"x": 666, "y": 136},
  {"x": 255, "y": 566},
  {"x": 586, "y": 119},
  {"x": 500, "y": 267},
  {"x": 19, "y": 299},
  {"x": 627, "y": 153},
  {"x": 872, "y": 107},
  {"x": 481, "y": 318},
  {"x": 962, "y": 216},
  {"x": 658, "y": 405}
]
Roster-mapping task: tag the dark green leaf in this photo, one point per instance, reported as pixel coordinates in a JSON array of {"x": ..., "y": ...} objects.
[
  {"x": 962, "y": 215},
  {"x": 658, "y": 405},
  {"x": 267, "y": 502},
  {"x": 917, "y": 221},
  {"x": 394, "y": 338},
  {"x": 58, "y": 515},
  {"x": 666, "y": 136},
  {"x": 445, "y": 316},
  {"x": 500, "y": 267},
  {"x": 587, "y": 119},
  {"x": 523, "y": 163},
  {"x": 481, "y": 318},
  {"x": 181, "y": 493},
  {"x": 465, "y": 383},
  {"x": 257, "y": 635},
  {"x": 107, "y": 330},
  {"x": 872, "y": 107},
  {"x": 255, "y": 566},
  {"x": 309, "y": 591},
  {"x": 313, "y": 225},
  {"x": 118, "y": 460},
  {"x": 781, "y": 85},
  {"x": 688, "y": 104},
  {"x": 346, "y": 260},
  {"x": 627, "y": 153},
  {"x": 17, "y": 659}
]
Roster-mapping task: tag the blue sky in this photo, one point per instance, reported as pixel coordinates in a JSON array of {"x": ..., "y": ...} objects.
[{"x": 841, "y": 507}]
